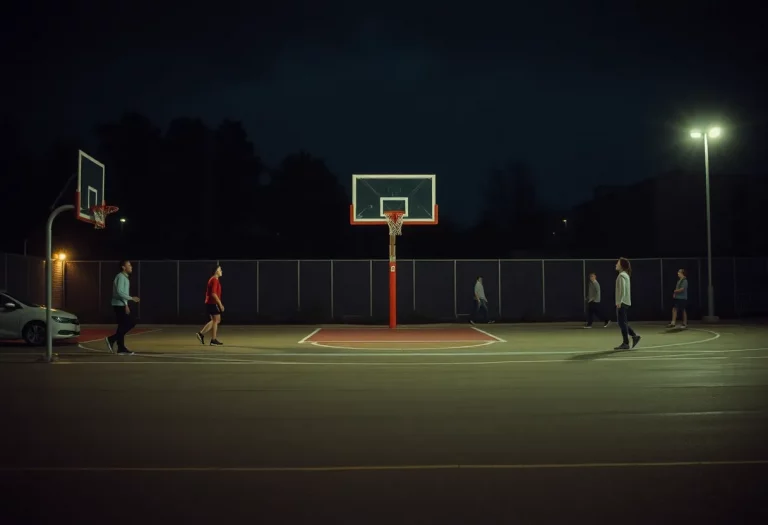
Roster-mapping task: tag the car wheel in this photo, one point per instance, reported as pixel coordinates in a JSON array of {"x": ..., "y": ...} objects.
[{"x": 34, "y": 333}]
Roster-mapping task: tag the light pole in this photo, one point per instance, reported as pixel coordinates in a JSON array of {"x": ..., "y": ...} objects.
[{"x": 696, "y": 134}]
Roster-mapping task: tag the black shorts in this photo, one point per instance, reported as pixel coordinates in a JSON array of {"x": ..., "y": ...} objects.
[
  {"x": 212, "y": 309},
  {"x": 680, "y": 304}
]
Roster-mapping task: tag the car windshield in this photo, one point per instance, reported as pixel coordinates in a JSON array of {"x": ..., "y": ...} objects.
[{"x": 22, "y": 301}]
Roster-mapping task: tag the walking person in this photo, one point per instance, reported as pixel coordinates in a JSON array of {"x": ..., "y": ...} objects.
[
  {"x": 121, "y": 296},
  {"x": 623, "y": 302},
  {"x": 213, "y": 307},
  {"x": 481, "y": 303},
  {"x": 593, "y": 302},
  {"x": 680, "y": 296}
]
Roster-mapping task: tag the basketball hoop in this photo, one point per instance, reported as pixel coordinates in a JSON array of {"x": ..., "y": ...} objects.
[
  {"x": 100, "y": 215},
  {"x": 395, "y": 221}
]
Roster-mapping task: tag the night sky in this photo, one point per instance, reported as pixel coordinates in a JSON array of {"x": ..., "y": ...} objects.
[{"x": 585, "y": 93}]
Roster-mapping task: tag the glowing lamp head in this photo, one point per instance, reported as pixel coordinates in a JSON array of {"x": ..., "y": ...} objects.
[
  {"x": 696, "y": 134},
  {"x": 715, "y": 132}
]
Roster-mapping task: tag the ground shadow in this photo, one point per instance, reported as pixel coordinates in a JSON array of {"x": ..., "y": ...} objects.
[{"x": 592, "y": 356}]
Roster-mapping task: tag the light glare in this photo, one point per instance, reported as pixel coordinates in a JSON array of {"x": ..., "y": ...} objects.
[
  {"x": 715, "y": 132},
  {"x": 696, "y": 134}
]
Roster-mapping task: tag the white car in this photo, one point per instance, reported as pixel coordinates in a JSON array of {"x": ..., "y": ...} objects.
[{"x": 24, "y": 320}]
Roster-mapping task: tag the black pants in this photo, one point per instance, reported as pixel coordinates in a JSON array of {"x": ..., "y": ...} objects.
[
  {"x": 626, "y": 330},
  {"x": 125, "y": 324},
  {"x": 593, "y": 310},
  {"x": 480, "y": 306}
]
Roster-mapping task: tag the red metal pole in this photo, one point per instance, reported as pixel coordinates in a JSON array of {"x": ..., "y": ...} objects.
[{"x": 392, "y": 283}]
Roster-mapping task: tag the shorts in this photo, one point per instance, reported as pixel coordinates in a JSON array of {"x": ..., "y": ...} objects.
[
  {"x": 678, "y": 304},
  {"x": 212, "y": 309}
]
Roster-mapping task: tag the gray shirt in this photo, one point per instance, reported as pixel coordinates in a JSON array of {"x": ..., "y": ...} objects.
[
  {"x": 682, "y": 283},
  {"x": 121, "y": 290},
  {"x": 480, "y": 291},
  {"x": 593, "y": 292},
  {"x": 623, "y": 289}
]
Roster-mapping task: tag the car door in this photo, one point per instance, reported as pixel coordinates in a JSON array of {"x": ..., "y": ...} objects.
[{"x": 10, "y": 318}]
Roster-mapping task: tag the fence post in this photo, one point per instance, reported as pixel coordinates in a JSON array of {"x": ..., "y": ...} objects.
[
  {"x": 332, "y": 316},
  {"x": 455, "y": 298},
  {"x": 178, "y": 291},
  {"x": 63, "y": 284},
  {"x": 98, "y": 302},
  {"x": 258, "y": 287},
  {"x": 735, "y": 291},
  {"x": 370, "y": 287},
  {"x": 138, "y": 291},
  {"x": 413, "y": 282},
  {"x": 584, "y": 287},
  {"x": 499, "y": 281},
  {"x": 543, "y": 291},
  {"x": 298, "y": 285},
  {"x": 698, "y": 275},
  {"x": 661, "y": 278},
  {"x": 5, "y": 270}
]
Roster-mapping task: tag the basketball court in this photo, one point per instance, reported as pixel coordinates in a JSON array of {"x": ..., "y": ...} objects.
[{"x": 493, "y": 423}]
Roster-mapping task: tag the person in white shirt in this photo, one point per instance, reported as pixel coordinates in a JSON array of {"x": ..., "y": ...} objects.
[
  {"x": 623, "y": 302},
  {"x": 481, "y": 302}
]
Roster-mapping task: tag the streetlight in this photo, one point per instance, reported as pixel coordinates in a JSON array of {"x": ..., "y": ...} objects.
[
  {"x": 697, "y": 134},
  {"x": 61, "y": 256},
  {"x": 122, "y": 219}
]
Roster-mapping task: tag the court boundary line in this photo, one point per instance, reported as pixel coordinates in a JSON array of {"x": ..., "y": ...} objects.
[
  {"x": 374, "y": 468},
  {"x": 230, "y": 362},
  {"x": 497, "y": 338},
  {"x": 95, "y": 350},
  {"x": 304, "y": 339},
  {"x": 405, "y": 353}
]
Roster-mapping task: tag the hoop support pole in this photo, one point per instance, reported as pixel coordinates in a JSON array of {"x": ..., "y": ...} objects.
[
  {"x": 48, "y": 356},
  {"x": 392, "y": 283}
]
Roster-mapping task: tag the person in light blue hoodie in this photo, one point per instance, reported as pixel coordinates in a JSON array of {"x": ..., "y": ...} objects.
[
  {"x": 623, "y": 302},
  {"x": 121, "y": 296}
]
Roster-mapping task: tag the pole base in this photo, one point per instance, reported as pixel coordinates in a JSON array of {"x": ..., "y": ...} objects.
[
  {"x": 711, "y": 319},
  {"x": 44, "y": 359}
]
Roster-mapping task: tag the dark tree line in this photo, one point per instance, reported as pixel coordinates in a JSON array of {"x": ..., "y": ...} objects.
[{"x": 197, "y": 192}]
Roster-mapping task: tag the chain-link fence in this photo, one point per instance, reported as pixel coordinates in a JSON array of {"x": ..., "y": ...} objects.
[{"x": 319, "y": 291}]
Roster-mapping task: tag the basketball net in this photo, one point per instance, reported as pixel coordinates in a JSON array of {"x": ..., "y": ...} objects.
[
  {"x": 100, "y": 215},
  {"x": 395, "y": 221}
]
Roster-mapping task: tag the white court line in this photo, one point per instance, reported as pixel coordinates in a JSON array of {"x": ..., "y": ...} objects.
[
  {"x": 401, "y": 341},
  {"x": 441, "y": 351},
  {"x": 389, "y": 364},
  {"x": 407, "y": 353},
  {"x": 127, "y": 335},
  {"x": 363, "y": 468},
  {"x": 80, "y": 344},
  {"x": 499, "y": 339},
  {"x": 197, "y": 358},
  {"x": 304, "y": 340},
  {"x": 401, "y": 351}
]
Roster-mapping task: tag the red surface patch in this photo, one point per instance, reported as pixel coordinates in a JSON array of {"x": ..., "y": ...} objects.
[{"x": 407, "y": 335}]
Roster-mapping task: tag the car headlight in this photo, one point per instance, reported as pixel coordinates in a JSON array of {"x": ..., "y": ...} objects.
[{"x": 65, "y": 320}]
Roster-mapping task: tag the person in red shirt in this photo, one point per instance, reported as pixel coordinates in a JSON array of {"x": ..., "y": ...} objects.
[{"x": 213, "y": 307}]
